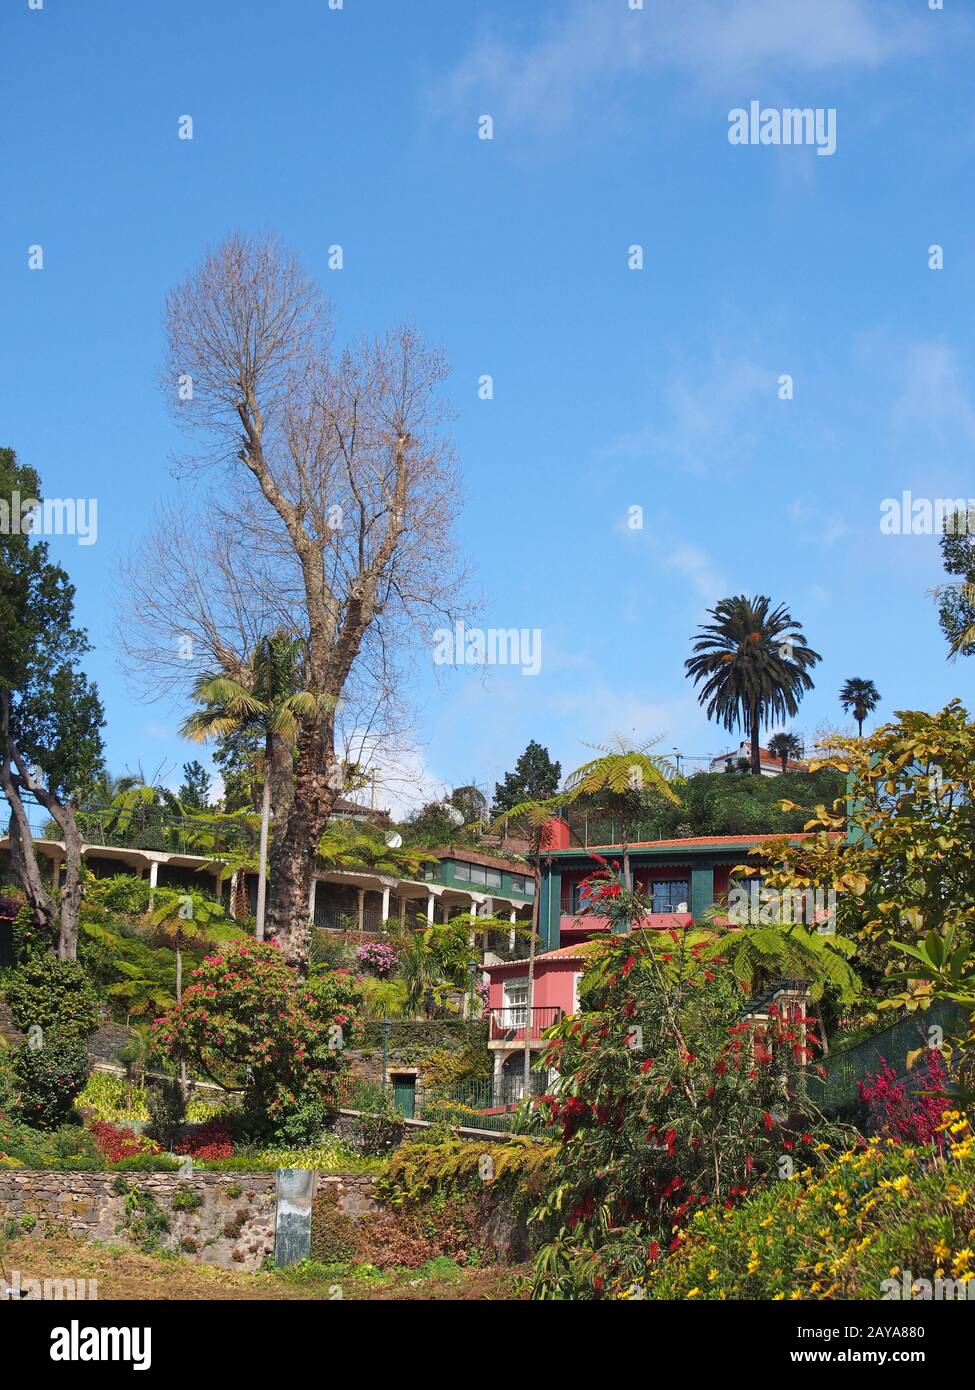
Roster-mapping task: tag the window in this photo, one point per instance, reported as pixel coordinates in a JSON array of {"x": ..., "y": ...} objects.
[
  {"x": 516, "y": 1003},
  {"x": 492, "y": 877},
  {"x": 529, "y": 889},
  {"x": 462, "y": 872},
  {"x": 430, "y": 871},
  {"x": 577, "y": 899},
  {"x": 478, "y": 873},
  {"x": 517, "y": 883},
  {"x": 670, "y": 894}
]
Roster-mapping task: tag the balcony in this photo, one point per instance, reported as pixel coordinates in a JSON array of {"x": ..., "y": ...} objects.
[{"x": 511, "y": 1025}]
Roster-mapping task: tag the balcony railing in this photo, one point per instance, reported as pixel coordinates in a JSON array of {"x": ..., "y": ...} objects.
[{"x": 511, "y": 1024}]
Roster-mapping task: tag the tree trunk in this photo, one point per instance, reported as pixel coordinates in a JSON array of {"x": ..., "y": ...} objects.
[
  {"x": 262, "y": 857},
  {"x": 536, "y": 911},
  {"x": 756, "y": 758},
  {"x": 295, "y": 850},
  {"x": 72, "y": 890}
]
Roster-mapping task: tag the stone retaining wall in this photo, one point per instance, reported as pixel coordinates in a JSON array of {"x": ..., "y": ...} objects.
[{"x": 225, "y": 1219}]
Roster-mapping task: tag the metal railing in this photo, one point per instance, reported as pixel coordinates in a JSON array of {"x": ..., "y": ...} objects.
[{"x": 512, "y": 1023}]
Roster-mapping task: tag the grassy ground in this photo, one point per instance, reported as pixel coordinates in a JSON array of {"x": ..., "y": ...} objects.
[{"x": 126, "y": 1274}]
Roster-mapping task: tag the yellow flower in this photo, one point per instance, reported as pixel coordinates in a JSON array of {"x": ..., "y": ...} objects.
[
  {"x": 776, "y": 1297},
  {"x": 712, "y": 1275},
  {"x": 692, "y": 1293},
  {"x": 941, "y": 1251},
  {"x": 962, "y": 1260}
]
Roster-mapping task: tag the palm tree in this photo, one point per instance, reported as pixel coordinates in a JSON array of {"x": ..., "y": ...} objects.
[
  {"x": 785, "y": 746},
  {"x": 264, "y": 693},
  {"x": 860, "y": 698},
  {"x": 754, "y": 663}
]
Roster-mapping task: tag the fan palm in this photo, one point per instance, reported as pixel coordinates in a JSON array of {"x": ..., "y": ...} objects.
[
  {"x": 784, "y": 747},
  {"x": 264, "y": 693},
  {"x": 752, "y": 663},
  {"x": 859, "y": 698}
]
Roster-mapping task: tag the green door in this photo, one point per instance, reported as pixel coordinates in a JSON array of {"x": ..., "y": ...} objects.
[{"x": 404, "y": 1094}]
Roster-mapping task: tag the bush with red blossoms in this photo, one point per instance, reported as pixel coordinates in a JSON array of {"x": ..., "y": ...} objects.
[
  {"x": 664, "y": 1104},
  {"x": 913, "y": 1115},
  {"x": 251, "y": 1024}
]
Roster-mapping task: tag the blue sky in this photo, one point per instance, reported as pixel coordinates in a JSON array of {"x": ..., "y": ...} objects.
[{"x": 613, "y": 388}]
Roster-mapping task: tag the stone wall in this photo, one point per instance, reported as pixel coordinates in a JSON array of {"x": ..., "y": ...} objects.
[{"x": 225, "y": 1219}]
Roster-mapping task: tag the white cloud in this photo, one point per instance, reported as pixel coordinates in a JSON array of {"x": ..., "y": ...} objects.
[
  {"x": 712, "y": 413},
  {"x": 592, "y": 43}
]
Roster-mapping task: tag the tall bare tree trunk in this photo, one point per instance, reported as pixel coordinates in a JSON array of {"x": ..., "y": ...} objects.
[{"x": 295, "y": 850}]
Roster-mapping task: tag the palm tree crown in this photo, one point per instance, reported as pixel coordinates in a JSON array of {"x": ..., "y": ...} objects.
[
  {"x": 785, "y": 746},
  {"x": 753, "y": 664},
  {"x": 860, "y": 698}
]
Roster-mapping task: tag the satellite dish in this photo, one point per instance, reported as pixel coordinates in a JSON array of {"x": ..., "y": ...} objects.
[
  {"x": 453, "y": 815},
  {"x": 394, "y": 840}
]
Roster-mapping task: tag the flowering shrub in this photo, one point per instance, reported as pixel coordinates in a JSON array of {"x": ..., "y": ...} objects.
[
  {"x": 115, "y": 1143},
  {"x": 378, "y": 957},
  {"x": 877, "y": 1220},
  {"x": 897, "y": 1113},
  {"x": 249, "y": 1023},
  {"x": 664, "y": 1106}
]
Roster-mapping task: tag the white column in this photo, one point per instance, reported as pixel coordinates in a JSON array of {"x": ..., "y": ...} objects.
[
  {"x": 430, "y": 902},
  {"x": 385, "y": 915},
  {"x": 362, "y": 905},
  {"x": 311, "y": 899},
  {"x": 512, "y": 918},
  {"x": 233, "y": 895},
  {"x": 153, "y": 878}
]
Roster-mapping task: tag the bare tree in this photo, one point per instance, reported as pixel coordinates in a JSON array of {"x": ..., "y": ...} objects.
[{"x": 338, "y": 493}]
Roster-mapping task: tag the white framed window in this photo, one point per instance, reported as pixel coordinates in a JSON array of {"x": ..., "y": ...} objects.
[{"x": 515, "y": 993}]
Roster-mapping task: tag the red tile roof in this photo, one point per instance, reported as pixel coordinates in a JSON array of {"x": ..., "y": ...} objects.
[{"x": 708, "y": 840}]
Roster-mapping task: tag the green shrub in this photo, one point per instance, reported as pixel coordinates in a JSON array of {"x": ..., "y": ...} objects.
[
  {"x": 187, "y": 1200},
  {"x": 121, "y": 893},
  {"x": 53, "y": 994},
  {"x": 49, "y": 1078}
]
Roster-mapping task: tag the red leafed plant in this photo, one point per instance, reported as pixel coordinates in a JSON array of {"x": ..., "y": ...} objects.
[
  {"x": 897, "y": 1113},
  {"x": 115, "y": 1143},
  {"x": 212, "y": 1140}
]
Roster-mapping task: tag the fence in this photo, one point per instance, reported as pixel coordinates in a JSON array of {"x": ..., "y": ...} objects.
[{"x": 891, "y": 1046}]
